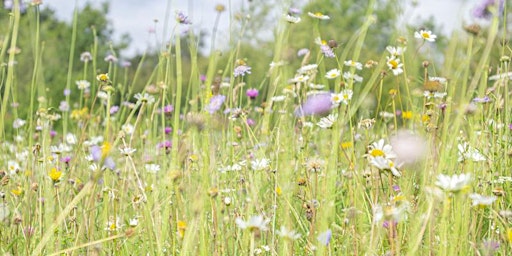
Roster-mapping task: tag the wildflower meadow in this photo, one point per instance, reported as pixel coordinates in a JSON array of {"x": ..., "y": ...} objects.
[{"x": 322, "y": 128}]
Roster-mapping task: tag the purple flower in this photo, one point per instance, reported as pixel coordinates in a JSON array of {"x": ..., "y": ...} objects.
[
  {"x": 294, "y": 11},
  {"x": 215, "y": 103},
  {"x": 66, "y": 159},
  {"x": 302, "y": 52},
  {"x": 166, "y": 144},
  {"x": 252, "y": 93},
  {"x": 168, "y": 109},
  {"x": 327, "y": 51},
  {"x": 114, "y": 109},
  {"x": 95, "y": 153},
  {"x": 482, "y": 11},
  {"x": 242, "y": 70},
  {"x": 489, "y": 247},
  {"x": 316, "y": 104},
  {"x": 126, "y": 64},
  {"x": 109, "y": 163},
  {"x": 250, "y": 122},
  {"x": 325, "y": 237},
  {"x": 167, "y": 130},
  {"x": 53, "y": 133},
  {"x": 182, "y": 18},
  {"x": 67, "y": 92},
  {"x": 202, "y": 78},
  {"x": 485, "y": 99},
  {"x": 110, "y": 58}
]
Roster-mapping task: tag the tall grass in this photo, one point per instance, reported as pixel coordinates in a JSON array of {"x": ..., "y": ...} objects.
[{"x": 415, "y": 162}]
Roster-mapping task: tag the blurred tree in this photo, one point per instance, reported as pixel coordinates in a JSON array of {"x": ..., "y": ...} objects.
[{"x": 55, "y": 43}]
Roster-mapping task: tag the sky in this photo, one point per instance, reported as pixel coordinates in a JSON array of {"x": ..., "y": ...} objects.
[{"x": 137, "y": 17}]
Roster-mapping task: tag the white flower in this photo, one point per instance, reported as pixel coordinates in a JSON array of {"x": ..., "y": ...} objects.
[
  {"x": 466, "y": 152},
  {"x": 355, "y": 64},
  {"x": 83, "y": 84},
  {"x": 127, "y": 151},
  {"x": 152, "y": 168},
  {"x": 453, "y": 183},
  {"x": 13, "y": 167},
  {"x": 328, "y": 121},
  {"x": 318, "y": 15},
  {"x": 144, "y": 97},
  {"x": 113, "y": 225},
  {"x": 134, "y": 222},
  {"x": 306, "y": 69},
  {"x": 299, "y": 79},
  {"x": 385, "y": 164},
  {"x": 278, "y": 98},
  {"x": 425, "y": 35},
  {"x": 4, "y": 211},
  {"x": 288, "y": 234},
  {"x": 333, "y": 73},
  {"x": 255, "y": 223},
  {"x": 292, "y": 19},
  {"x": 260, "y": 164},
  {"x": 352, "y": 76},
  {"x": 479, "y": 200},
  {"x": 18, "y": 123},
  {"x": 128, "y": 128},
  {"x": 437, "y": 95},
  {"x": 316, "y": 86},
  {"x": 71, "y": 139},
  {"x": 394, "y": 65},
  {"x": 395, "y": 51},
  {"x": 380, "y": 149}
]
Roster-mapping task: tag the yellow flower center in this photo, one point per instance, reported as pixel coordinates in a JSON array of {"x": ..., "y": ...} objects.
[
  {"x": 376, "y": 152},
  {"x": 425, "y": 35},
  {"x": 393, "y": 63}
]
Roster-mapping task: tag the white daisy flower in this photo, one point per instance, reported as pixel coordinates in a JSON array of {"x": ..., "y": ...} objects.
[
  {"x": 333, "y": 73},
  {"x": 328, "y": 121},
  {"x": 255, "y": 223},
  {"x": 318, "y": 15},
  {"x": 425, "y": 35},
  {"x": 453, "y": 183}
]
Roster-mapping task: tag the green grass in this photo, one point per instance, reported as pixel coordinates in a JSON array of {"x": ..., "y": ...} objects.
[{"x": 200, "y": 173}]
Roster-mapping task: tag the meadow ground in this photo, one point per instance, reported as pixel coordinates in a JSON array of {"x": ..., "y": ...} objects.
[{"x": 327, "y": 152}]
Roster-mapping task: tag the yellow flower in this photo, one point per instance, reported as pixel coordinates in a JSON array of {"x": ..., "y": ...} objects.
[
  {"x": 17, "y": 191},
  {"x": 509, "y": 235},
  {"x": 182, "y": 226},
  {"x": 279, "y": 191},
  {"x": 103, "y": 77},
  {"x": 105, "y": 149},
  {"x": 55, "y": 175},
  {"x": 407, "y": 114},
  {"x": 346, "y": 144}
]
